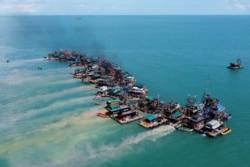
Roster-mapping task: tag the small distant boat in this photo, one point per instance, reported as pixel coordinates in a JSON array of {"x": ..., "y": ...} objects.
[
  {"x": 226, "y": 131},
  {"x": 236, "y": 65},
  {"x": 103, "y": 115}
]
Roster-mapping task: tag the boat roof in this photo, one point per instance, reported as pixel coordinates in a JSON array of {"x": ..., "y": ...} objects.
[
  {"x": 115, "y": 87},
  {"x": 177, "y": 114},
  {"x": 79, "y": 69},
  {"x": 113, "y": 100},
  {"x": 220, "y": 107},
  {"x": 213, "y": 124},
  {"x": 150, "y": 98},
  {"x": 103, "y": 88},
  {"x": 151, "y": 117},
  {"x": 197, "y": 118},
  {"x": 139, "y": 85}
]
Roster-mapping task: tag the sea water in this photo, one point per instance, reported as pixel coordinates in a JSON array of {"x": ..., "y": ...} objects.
[{"x": 48, "y": 118}]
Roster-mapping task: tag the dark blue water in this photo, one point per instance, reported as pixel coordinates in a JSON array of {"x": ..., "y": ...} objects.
[{"x": 48, "y": 118}]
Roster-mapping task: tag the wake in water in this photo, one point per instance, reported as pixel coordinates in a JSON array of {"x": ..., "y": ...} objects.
[
  {"x": 150, "y": 135},
  {"x": 92, "y": 155},
  {"x": 105, "y": 153}
]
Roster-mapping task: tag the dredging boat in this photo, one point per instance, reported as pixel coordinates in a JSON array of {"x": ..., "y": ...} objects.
[
  {"x": 213, "y": 128},
  {"x": 152, "y": 121},
  {"x": 122, "y": 113},
  {"x": 127, "y": 116}
]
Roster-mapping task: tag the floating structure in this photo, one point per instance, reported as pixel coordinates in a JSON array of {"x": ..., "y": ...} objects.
[
  {"x": 213, "y": 128},
  {"x": 128, "y": 116},
  {"x": 152, "y": 121},
  {"x": 122, "y": 113},
  {"x": 129, "y": 98}
]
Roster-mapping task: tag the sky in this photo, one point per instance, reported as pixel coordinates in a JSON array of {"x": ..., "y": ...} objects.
[{"x": 124, "y": 7}]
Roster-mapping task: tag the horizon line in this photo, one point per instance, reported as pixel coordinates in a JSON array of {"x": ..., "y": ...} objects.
[{"x": 124, "y": 14}]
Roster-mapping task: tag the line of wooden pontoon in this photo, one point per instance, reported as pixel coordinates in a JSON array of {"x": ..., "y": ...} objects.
[{"x": 128, "y": 99}]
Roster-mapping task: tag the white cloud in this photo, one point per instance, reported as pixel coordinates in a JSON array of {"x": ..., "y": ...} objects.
[
  {"x": 88, "y": 8},
  {"x": 237, "y": 5},
  {"x": 104, "y": 8},
  {"x": 118, "y": 8},
  {"x": 19, "y": 8},
  {"x": 240, "y": 7}
]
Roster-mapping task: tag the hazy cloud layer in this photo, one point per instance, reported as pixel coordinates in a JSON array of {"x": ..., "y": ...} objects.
[{"x": 82, "y": 7}]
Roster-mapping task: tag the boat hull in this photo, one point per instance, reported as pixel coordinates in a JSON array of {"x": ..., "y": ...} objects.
[
  {"x": 103, "y": 115},
  {"x": 226, "y": 131},
  {"x": 234, "y": 68},
  {"x": 128, "y": 120}
]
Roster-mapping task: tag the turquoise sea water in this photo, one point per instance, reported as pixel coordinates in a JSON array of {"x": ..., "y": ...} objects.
[{"x": 47, "y": 118}]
